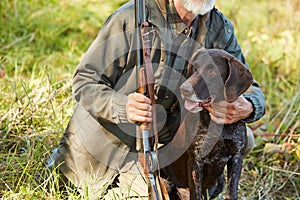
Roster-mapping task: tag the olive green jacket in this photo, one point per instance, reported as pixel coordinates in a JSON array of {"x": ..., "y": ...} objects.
[{"x": 107, "y": 74}]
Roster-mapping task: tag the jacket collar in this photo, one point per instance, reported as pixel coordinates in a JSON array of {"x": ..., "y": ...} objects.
[
  {"x": 158, "y": 14},
  {"x": 162, "y": 5},
  {"x": 158, "y": 17}
]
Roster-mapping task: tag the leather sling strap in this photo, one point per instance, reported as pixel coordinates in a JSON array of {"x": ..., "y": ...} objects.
[{"x": 149, "y": 75}]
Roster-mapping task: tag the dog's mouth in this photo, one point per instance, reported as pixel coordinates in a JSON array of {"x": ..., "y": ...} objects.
[{"x": 197, "y": 105}]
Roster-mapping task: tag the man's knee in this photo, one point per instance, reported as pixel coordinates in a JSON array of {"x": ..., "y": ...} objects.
[{"x": 130, "y": 186}]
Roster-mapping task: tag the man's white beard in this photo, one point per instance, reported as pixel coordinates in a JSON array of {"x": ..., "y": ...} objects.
[{"x": 200, "y": 7}]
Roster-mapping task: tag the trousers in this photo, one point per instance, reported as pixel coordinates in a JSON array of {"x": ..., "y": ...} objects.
[{"x": 128, "y": 182}]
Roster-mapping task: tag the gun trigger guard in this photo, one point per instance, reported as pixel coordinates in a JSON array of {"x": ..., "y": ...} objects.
[{"x": 152, "y": 161}]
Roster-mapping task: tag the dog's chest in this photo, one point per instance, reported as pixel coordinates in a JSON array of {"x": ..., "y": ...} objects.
[{"x": 215, "y": 144}]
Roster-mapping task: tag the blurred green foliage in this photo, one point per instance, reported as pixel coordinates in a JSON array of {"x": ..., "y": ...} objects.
[{"x": 41, "y": 43}]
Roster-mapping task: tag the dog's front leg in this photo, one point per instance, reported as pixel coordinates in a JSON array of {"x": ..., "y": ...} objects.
[
  {"x": 195, "y": 180},
  {"x": 234, "y": 168},
  {"x": 198, "y": 180}
]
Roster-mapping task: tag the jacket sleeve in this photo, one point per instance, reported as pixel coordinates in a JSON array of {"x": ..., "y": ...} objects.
[
  {"x": 226, "y": 39},
  {"x": 101, "y": 68}
]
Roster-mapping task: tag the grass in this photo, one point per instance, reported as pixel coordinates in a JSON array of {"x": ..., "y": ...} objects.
[{"x": 41, "y": 44}]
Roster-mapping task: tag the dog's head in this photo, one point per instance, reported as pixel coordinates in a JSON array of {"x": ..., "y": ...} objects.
[{"x": 215, "y": 75}]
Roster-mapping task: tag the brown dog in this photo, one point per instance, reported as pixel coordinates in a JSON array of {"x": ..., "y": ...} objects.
[{"x": 215, "y": 75}]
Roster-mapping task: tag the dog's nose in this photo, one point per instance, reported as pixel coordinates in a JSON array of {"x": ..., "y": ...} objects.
[{"x": 186, "y": 90}]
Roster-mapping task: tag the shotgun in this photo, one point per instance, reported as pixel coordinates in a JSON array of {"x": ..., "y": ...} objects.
[{"x": 146, "y": 133}]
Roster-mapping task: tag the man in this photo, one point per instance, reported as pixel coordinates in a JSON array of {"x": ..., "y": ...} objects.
[{"x": 98, "y": 146}]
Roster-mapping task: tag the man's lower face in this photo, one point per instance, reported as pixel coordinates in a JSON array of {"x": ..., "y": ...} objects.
[{"x": 200, "y": 7}]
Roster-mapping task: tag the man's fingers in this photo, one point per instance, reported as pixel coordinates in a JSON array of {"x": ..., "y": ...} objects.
[
  {"x": 139, "y": 102},
  {"x": 222, "y": 120},
  {"x": 138, "y": 108},
  {"x": 227, "y": 113},
  {"x": 217, "y": 120},
  {"x": 220, "y": 104},
  {"x": 141, "y": 113},
  {"x": 139, "y": 116},
  {"x": 223, "y": 108},
  {"x": 219, "y": 112},
  {"x": 137, "y": 97}
]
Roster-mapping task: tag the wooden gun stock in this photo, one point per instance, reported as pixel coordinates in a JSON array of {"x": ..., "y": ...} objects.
[{"x": 146, "y": 133}]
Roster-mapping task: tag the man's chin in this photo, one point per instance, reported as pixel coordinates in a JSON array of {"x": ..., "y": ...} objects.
[
  {"x": 200, "y": 12},
  {"x": 198, "y": 8}
]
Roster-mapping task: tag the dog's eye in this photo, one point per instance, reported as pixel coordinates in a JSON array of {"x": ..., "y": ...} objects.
[{"x": 212, "y": 72}]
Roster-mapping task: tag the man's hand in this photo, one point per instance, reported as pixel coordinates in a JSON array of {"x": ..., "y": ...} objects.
[
  {"x": 228, "y": 113},
  {"x": 138, "y": 108}
]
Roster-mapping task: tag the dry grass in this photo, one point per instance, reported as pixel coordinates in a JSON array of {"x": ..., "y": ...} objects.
[{"x": 42, "y": 42}]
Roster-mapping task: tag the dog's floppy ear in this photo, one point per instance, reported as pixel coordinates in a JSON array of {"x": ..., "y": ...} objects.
[
  {"x": 238, "y": 81},
  {"x": 190, "y": 69}
]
